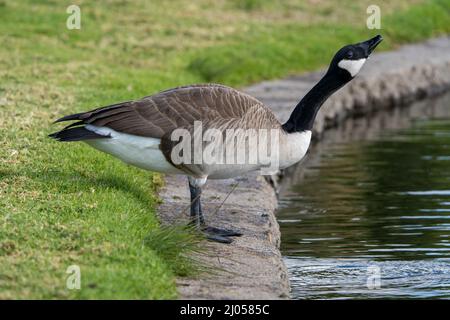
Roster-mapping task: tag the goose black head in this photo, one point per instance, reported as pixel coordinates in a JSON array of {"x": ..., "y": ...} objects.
[{"x": 347, "y": 62}]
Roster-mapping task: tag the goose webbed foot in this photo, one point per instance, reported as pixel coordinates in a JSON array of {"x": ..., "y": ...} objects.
[
  {"x": 217, "y": 238},
  {"x": 216, "y": 234},
  {"x": 222, "y": 232}
]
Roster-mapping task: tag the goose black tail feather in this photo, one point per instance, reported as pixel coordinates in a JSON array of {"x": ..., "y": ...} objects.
[
  {"x": 75, "y": 116},
  {"x": 76, "y": 134}
]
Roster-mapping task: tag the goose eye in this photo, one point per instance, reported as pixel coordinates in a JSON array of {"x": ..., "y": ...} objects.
[{"x": 350, "y": 54}]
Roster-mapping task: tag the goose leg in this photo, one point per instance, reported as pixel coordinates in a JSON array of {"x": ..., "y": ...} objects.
[
  {"x": 196, "y": 210},
  {"x": 197, "y": 219}
]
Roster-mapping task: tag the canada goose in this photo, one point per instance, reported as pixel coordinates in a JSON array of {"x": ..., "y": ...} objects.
[{"x": 141, "y": 132}]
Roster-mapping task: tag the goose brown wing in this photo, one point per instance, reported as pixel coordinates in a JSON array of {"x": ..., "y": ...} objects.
[{"x": 159, "y": 114}]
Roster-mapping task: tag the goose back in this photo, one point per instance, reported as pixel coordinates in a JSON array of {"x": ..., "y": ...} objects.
[{"x": 158, "y": 115}]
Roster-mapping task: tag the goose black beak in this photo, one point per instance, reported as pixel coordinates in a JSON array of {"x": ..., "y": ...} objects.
[{"x": 371, "y": 44}]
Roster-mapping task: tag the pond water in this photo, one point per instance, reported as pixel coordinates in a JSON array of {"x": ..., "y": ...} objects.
[{"x": 367, "y": 215}]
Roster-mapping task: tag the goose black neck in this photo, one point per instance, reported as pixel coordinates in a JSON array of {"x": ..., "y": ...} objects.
[{"x": 304, "y": 114}]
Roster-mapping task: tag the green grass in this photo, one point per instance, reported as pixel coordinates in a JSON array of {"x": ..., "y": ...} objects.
[{"x": 64, "y": 204}]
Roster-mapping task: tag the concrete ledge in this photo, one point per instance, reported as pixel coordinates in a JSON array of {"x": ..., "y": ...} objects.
[{"x": 253, "y": 263}]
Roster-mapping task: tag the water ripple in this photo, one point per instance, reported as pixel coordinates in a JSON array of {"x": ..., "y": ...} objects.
[{"x": 381, "y": 204}]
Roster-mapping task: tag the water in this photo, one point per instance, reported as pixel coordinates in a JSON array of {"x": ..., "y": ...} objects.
[{"x": 368, "y": 214}]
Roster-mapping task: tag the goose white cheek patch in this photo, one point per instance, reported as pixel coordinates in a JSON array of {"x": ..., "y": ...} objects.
[{"x": 352, "y": 66}]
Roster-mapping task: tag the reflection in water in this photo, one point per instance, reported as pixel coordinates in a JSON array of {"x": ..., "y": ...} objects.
[{"x": 383, "y": 201}]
